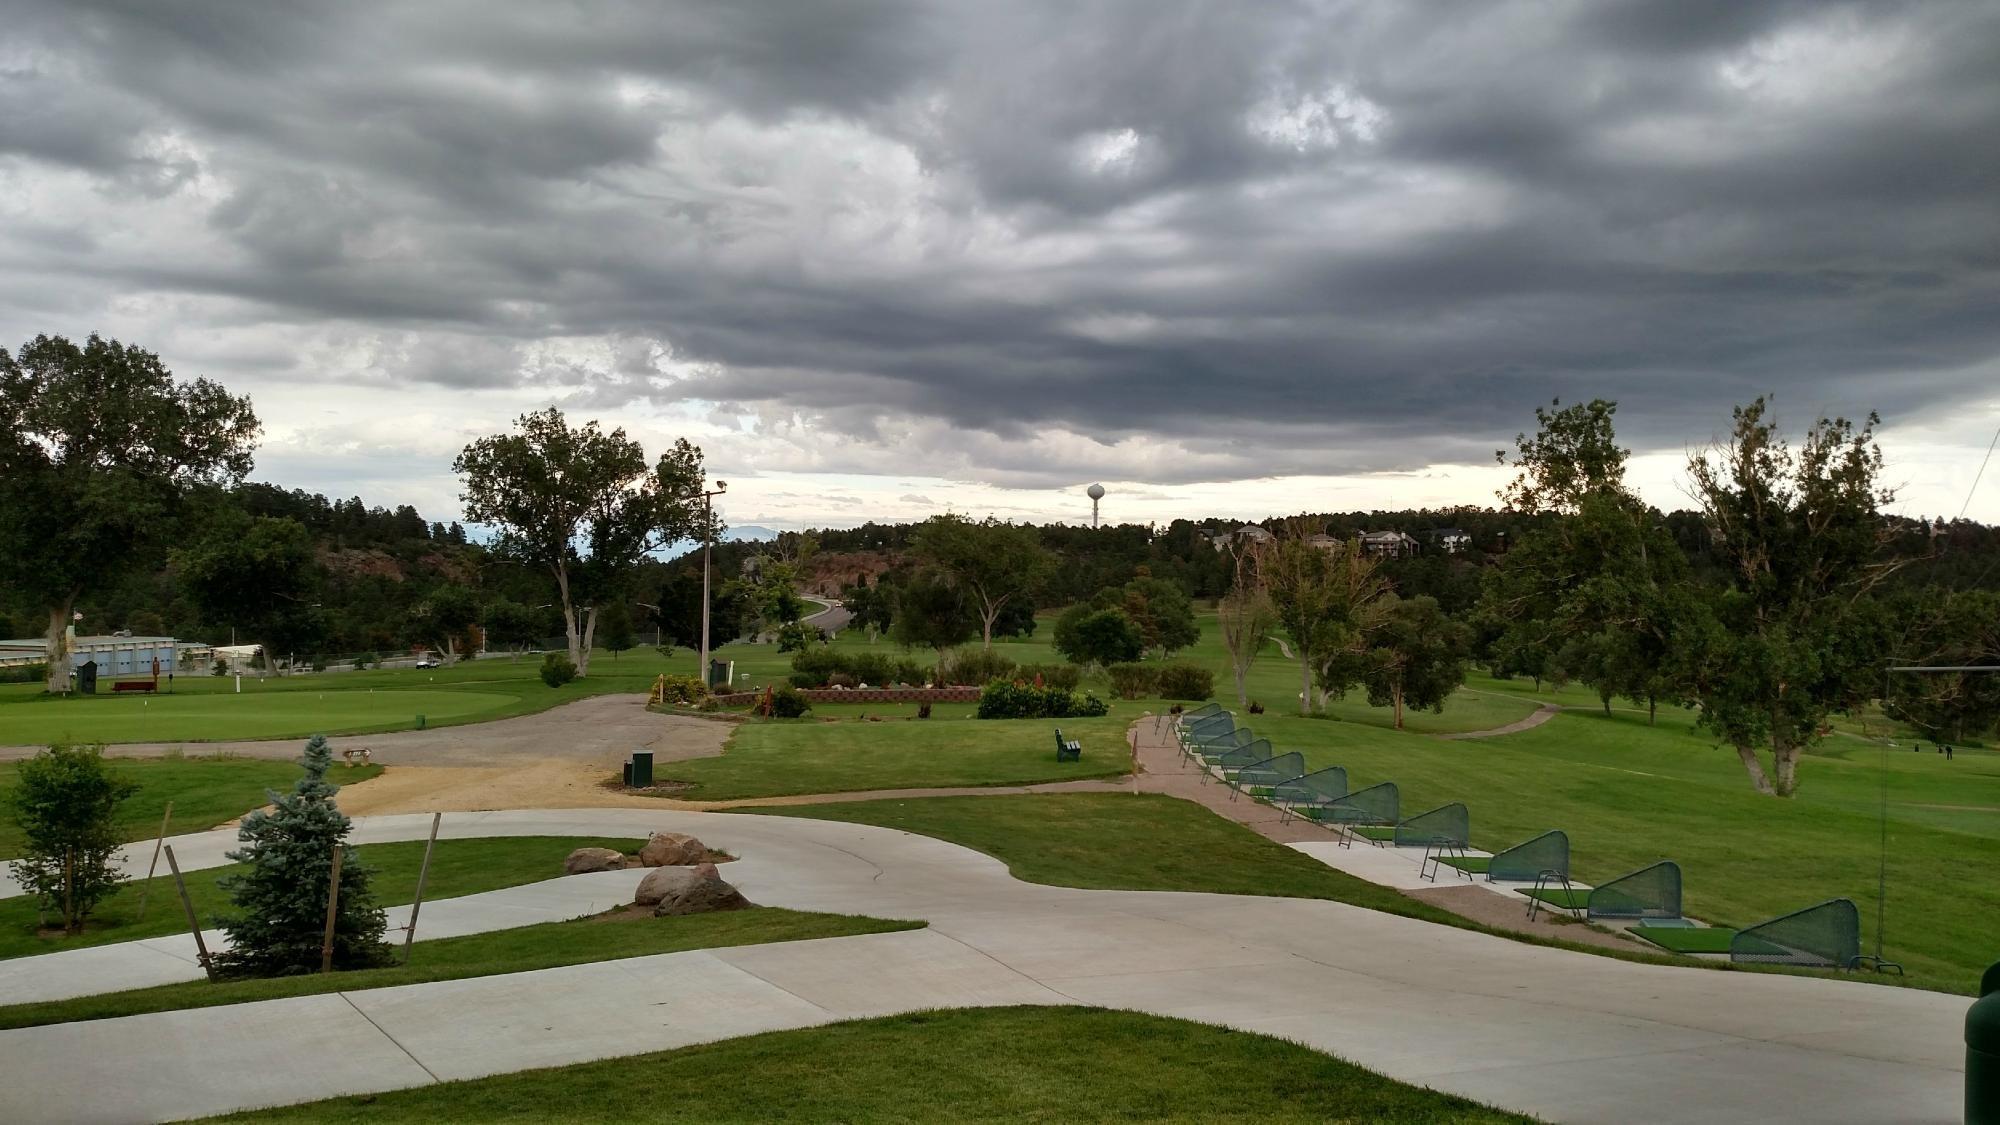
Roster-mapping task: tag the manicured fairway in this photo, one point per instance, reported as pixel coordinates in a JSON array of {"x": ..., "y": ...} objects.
[
  {"x": 772, "y": 759},
  {"x": 987, "y": 1064},
  {"x": 459, "y": 867},
  {"x": 205, "y": 792},
  {"x": 517, "y": 950},
  {"x": 257, "y": 713},
  {"x": 1629, "y": 794}
]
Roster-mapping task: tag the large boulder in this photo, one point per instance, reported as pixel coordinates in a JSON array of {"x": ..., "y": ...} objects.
[
  {"x": 662, "y": 882},
  {"x": 705, "y": 891},
  {"x": 672, "y": 849},
  {"x": 585, "y": 860}
]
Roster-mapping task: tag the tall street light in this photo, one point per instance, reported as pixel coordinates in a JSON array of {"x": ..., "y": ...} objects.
[{"x": 707, "y": 542}]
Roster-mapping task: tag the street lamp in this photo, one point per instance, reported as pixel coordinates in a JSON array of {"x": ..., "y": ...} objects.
[{"x": 707, "y": 542}]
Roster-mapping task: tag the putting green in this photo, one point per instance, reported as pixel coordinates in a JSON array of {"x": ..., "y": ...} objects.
[
  {"x": 209, "y": 717},
  {"x": 1686, "y": 939}
]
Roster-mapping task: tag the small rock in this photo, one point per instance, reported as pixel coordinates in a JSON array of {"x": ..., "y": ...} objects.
[
  {"x": 584, "y": 860},
  {"x": 662, "y": 882},
  {"x": 705, "y": 891},
  {"x": 671, "y": 849}
]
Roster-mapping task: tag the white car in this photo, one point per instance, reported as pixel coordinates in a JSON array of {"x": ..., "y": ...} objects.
[{"x": 429, "y": 662}]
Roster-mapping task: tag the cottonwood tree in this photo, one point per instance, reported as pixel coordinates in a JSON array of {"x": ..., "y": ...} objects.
[
  {"x": 1161, "y": 609},
  {"x": 1591, "y": 589},
  {"x": 932, "y": 613},
  {"x": 548, "y": 488},
  {"x": 1794, "y": 636},
  {"x": 1416, "y": 656},
  {"x": 1246, "y": 617},
  {"x": 98, "y": 447},
  {"x": 1951, "y": 628},
  {"x": 1324, "y": 599},
  {"x": 1107, "y": 635},
  {"x": 995, "y": 563},
  {"x": 257, "y": 574}
]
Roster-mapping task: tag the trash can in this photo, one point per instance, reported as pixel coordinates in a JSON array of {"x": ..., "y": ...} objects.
[
  {"x": 1982, "y": 1053},
  {"x": 642, "y": 770},
  {"x": 721, "y": 673}
]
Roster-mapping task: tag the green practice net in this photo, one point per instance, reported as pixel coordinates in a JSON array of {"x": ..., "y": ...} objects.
[
  {"x": 1827, "y": 934},
  {"x": 1210, "y": 729},
  {"x": 1529, "y": 858},
  {"x": 1206, "y": 710},
  {"x": 1262, "y": 776},
  {"x": 1222, "y": 741},
  {"x": 1248, "y": 754},
  {"x": 1377, "y": 804},
  {"x": 1450, "y": 825},
  {"x": 1650, "y": 892},
  {"x": 1316, "y": 788}
]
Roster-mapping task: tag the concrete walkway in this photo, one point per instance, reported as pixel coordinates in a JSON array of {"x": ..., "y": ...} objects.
[
  {"x": 172, "y": 959},
  {"x": 1541, "y": 715},
  {"x": 1568, "y": 1036}
]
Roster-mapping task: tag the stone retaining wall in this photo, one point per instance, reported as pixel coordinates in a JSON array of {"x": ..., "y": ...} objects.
[{"x": 863, "y": 695}]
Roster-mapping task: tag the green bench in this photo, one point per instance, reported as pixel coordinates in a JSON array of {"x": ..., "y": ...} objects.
[{"x": 1068, "y": 750}]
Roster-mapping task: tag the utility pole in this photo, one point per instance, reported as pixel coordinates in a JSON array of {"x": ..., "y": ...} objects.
[{"x": 707, "y": 543}]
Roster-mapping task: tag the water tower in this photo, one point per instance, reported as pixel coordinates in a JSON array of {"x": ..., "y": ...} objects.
[{"x": 1096, "y": 493}]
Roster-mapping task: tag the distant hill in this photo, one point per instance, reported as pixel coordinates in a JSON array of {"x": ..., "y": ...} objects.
[{"x": 751, "y": 533}]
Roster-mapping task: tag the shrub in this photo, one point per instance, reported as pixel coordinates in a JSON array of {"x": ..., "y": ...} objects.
[
  {"x": 557, "y": 669},
  {"x": 787, "y": 703},
  {"x": 66, "y": 804},
  {"x": 910, "y": 672},
  {"x": 1088, "y": 706},
  {"x": 873, "y": 669},
  {"x": 1131, "y": 681},
  {"x": 682, "y": 691},
  {"x": 813, "y": 667},
  {"x": 974, "y": 666},
  {"x": 1098, "y": 636},
  {"x": 1182, "y": 680},
  {"x": 1064, "y": 676},
  {"x": 24, "y": 674},
  {"x": 841, "y": 680},
  {"x": 281, "y": 894},
  {"x": 800, "y": 637},
  {"x": 1005, "y": 699}
]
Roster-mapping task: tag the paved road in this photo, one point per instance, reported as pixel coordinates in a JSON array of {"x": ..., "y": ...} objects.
[{"x": 1565, "y": 1035}]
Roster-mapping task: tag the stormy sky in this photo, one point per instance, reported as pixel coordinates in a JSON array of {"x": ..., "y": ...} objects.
[{"x": 883, "y": 256}]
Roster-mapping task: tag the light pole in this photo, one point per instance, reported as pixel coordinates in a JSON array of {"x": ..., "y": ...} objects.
[
  {"x": 707, "y": 542},
  {"x": 656, "y": 619}
]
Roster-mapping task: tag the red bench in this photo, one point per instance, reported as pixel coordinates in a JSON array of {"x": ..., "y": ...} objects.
[{"x": 134, "y": 685}]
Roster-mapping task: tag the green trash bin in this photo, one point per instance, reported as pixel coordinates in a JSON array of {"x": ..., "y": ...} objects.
[{"x": 1982, "y": 1053}]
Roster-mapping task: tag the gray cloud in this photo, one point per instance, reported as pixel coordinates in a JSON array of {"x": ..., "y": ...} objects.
[{"x": 1199, "y": 241}]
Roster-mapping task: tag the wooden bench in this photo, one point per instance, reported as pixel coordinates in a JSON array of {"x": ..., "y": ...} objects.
[
  {"x": 134, "y": 685},
  {"x": 1068, "y": 750}
]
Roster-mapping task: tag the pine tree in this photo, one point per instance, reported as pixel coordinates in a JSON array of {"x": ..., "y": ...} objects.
[{"x": 282, "y": 897}]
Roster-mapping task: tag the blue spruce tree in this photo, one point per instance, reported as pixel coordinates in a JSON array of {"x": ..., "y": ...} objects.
[{"x": 281, "y": 898}]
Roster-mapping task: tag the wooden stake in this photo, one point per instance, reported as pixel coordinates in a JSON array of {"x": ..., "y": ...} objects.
[
  {"x": 332, "y": 908},
  {"x": 194, "y": 924},
  {"x": 423, "y": 874},
  {"x": 146, "y": 888}
]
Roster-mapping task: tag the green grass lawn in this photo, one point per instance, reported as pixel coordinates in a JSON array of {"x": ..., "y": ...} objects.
[
  {"x": 1118, "y": 841},
  {"x": 205, "y": 791},
  {"x": 773, "y": 759},
  {"x": 1629, "y": 794},
  {"x": 985, "y": 1064},
  {"x": 459, "y": 867},
  {"x": 518, "y": 950}
]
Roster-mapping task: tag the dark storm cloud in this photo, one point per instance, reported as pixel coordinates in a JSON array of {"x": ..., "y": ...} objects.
[{"x": 1293, "y": 237}]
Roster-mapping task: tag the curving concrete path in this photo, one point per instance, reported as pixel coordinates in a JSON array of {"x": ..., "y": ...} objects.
[{"x": 1568, "y": 1036}]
